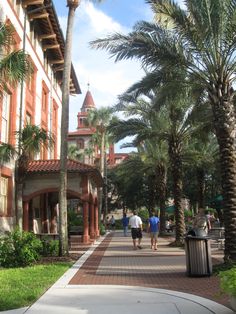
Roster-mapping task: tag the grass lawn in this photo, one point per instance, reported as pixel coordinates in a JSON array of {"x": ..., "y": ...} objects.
[{"x": 20, "y": 287}]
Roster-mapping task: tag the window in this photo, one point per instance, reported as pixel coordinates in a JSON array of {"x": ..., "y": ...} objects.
[
  {"x": 3, "y": 195},
  {"x": 44, "y": 100},
  {"x": 52, "y": 151},
  {"x": 80, "y": 144},
  {"x": 6, "y": 101}
]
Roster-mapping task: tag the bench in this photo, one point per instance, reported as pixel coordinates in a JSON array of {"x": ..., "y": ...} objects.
[
  {"x": 221, "y": 244},
  {"x": 216, "y": 233},
  {"x": 76, "y": 230}
]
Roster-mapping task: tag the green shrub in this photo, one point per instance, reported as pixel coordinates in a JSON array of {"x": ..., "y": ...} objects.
[
  {"x": 119, "y": 224},
  {"x": 74, "y": 219},
  {"x": 228, "y": 281},
  {"x": 102, "y": 229},
  {"x": 50, "y": 247},
  {"x": 19, "y": 249},
  {"x": 143, "y": 214}
]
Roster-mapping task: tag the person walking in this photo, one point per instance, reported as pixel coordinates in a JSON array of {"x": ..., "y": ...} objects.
[
  {"x": 136, "y": 230},
  {"x": 153, "y": 228},
  {"x": 113, "y": 223},
  {"x": 125, "y": 223}
]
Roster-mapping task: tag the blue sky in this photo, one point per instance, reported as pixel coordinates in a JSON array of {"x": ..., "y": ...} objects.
[
  {"x": 107, "y": 79},
  {"x": 95, "y": 20}
]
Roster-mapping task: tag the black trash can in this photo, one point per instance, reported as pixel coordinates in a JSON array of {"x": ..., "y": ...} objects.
[{"x": 198, "y": 256}]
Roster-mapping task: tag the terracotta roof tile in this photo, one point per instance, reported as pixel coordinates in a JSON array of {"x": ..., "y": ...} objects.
[
  {"x": 88, "y": 101},
  {"x": 53, "y": 166},
  {"x": 82, "y": 132}
]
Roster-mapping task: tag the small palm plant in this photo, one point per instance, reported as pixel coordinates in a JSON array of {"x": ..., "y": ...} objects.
[{"x": 31, "y": 140}]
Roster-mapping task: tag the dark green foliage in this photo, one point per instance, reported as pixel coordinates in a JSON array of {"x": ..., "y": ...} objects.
[
  {"x": 102, "y": 229},
  {"x": 50, "y": 247},
  {"x": 228, "y": 281},
  {"x": 119, "y": 225},
  {"x": 143, "y": 214},
  {"x": 19, "y": 248},
  {"x": 74, "y": 219}
]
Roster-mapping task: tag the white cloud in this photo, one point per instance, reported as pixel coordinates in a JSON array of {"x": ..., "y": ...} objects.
[
  {"x": 99, "y": 21},
  {"x": 107, "y": 79}
]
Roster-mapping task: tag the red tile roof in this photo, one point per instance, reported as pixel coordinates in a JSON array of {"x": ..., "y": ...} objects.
[
  {"x": 88, "y": 101},
  {"x": 82, "y": 132},
  {"x": 53, "y": 166}
]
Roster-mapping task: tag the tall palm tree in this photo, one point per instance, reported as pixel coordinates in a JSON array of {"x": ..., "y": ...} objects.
[
  {"x": 63, "y": 230},
  {"x": 199, "y": 38},
  {"x": 166, "y": 119},
  {"x": 203, "y": 153},
  {"x": 100, "y": 119},
  {"x": 31, "y": 140},
  {"x": 155, "y": 156}
]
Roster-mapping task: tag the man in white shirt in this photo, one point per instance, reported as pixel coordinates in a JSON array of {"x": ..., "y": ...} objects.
[{"x": 136, "y": 229}]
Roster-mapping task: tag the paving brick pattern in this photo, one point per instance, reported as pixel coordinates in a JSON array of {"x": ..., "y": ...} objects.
[{"x": 114, "y": 262}]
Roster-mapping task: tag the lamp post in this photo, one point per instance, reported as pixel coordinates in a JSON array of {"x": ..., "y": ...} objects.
[{"x": 63, "y": 232}]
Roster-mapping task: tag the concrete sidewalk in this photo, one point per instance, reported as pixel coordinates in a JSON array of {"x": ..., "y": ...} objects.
[{"x": 112, "y": 264}]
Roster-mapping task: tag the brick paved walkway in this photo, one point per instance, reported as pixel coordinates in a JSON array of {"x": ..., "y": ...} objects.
[{"x": 114, "y": 262}]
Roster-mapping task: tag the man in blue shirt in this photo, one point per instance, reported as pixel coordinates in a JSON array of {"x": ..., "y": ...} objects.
[
  {"x": 153, "y": 227},
  {"x": 125, "y": 223}
]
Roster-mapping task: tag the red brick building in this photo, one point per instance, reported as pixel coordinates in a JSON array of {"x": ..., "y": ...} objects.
[
  {"x": 36, "y": 21},
  {"x": 82, "y": 136}
]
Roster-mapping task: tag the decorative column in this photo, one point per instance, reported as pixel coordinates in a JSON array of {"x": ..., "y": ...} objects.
[
  {"x": 53, "y": 223},
  {"x": 97, "y": 232},
  {"x": 91, "y": 221},
  {"x": 26, "y": 216},
  {"x": 85, "y": 222}
]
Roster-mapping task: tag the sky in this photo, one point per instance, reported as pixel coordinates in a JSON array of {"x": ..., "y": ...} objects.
[{"x": 107, "y": 79}]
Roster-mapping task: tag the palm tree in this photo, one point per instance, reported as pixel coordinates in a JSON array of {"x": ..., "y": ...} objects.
[
  {"x": 15, "y": 65},
  {"x": 75, "y": 153},
  {"x": 100, "y": 119},
  {"x": 203, "y": 154},
  {"x": 31, "y": 140},
  {"x": 201, "y": 40},
  {"x": 155, "y": 157},
  {"x": 63, "y": 230}
]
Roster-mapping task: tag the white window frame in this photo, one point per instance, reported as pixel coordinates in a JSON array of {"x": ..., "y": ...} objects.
[
  {"x": 5, "y": 121},
  {"x": 3, "y": 195}
]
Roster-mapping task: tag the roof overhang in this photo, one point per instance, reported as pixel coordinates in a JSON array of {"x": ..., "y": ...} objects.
[
  {"x": 53, "y": 166},
  {"x": 52, "y": 38}
]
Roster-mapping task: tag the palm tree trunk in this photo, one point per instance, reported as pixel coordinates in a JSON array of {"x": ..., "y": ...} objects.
[
  {"x": 161, "y": 174},
  {"x": 105, "y": 189},
  {"x": 100, "y": 192},
  {"x": 152, "y": 193},
  {"x": 224, "y": 123},
  {"x": 63, "y": 232},
  {"x": 18, "y": 198},
  {"x": 176, "y": 169},
  {"x": 201, "y": 187}
]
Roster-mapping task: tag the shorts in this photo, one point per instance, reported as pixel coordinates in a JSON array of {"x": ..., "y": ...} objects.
[
  {"x": 136, "y": 233},
  {"x": 154, "y": 235}
]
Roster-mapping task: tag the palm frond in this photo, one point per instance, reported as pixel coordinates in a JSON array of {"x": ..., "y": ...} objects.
[{"x": 7, "y": 152}]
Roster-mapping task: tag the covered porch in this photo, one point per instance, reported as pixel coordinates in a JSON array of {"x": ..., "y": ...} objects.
[{"x": 41, "y": 197}]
